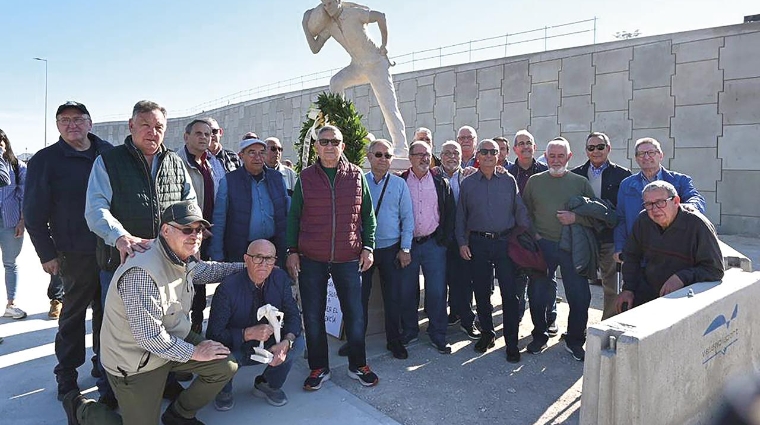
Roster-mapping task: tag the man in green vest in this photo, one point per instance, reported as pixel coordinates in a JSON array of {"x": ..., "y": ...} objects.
[{"x": 146, "y": 330}]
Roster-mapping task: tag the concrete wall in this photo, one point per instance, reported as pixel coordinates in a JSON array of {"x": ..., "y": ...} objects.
[
  {"x": 696, "y": 92},
  {"x": 673, "y": 356}
]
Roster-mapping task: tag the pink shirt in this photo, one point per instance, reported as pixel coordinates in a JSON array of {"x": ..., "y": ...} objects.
[{"x": 424, "y": 204}]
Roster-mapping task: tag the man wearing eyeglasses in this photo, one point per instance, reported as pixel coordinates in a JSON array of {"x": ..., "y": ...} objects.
[
  {"x": 331, "y": 232},
  {"x": 433, "y": 207},
  {"x": 54, "y": 205},
  {"x": 649, "y": 156},
  {"x": 605, "y": 177},
  {"x": 488, "y": 208},
  {"x": 274, "y": 154},
  {"x": 425, "y": 135},
  {"x": 671, "y": 245},
  {"x": 251, "y": 204},
  {"x": 233, "y": 322},
  {"x": 223, "y": 160},
  {"x": 467, "y": 137},
  {"x": 146, "y": 329}
]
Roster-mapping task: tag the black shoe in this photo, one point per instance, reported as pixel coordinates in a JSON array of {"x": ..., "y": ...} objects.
[
  {"x": 397, "y": 349},
  {"x": 183, "y": 376},
  {"x": 484, "y": 343},
  {"x": 535, "y": 347},
  {"x": 513, "y": 354},
  {"x": 171, "y": 417},
  {"x": 343, "y": 350},
  {"x": 71, "y": 402},
  {"x": 172, "y": 390},
  {"x": 442, "y": 348},
  {"x": 453, "y": 319},
  {"x": 316, "y": 378},
  {"x": 577, "y": 351},
  {"x": 471, "y": 331},
  {"x": 95, "y": 372},
  {"x": 109, "y": 399},
  {"x": 552, "y": 329}
]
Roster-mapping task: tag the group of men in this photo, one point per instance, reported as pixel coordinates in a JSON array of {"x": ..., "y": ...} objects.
[{"x": 137, "y": 231}]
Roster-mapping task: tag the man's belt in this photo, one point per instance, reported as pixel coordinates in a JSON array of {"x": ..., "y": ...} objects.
[
  {"x": 492, "y": 235},
  {"x": 422, "y": 239}
]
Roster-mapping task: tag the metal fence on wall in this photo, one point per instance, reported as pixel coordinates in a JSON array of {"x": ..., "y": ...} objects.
[{"x": 511, "y": 44}]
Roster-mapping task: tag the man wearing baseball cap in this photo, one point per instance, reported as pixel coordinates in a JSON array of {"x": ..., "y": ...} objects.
[
  {"x": 146, "y": 329},
  {"x": 54, "y": 203},
  {"x": 252, "y": 203}
]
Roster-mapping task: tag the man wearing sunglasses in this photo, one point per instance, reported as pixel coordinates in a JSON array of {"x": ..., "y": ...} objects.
[
  {"x": 605, "y": 177},
  {"x": 649, "y": 156},
  {"x": 488, "y": 208},
  {"x": 671, "y": 245},
  {"x": 274, "y": 154},
  {"x": 221, "y": 159},
  {"x": 234, "y": 322},
  {"x": 331, "y": 232},
  {"x": 146, "y": 329}
]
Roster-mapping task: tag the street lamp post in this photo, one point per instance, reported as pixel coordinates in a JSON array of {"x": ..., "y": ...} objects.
[{"x": 44, "y": 115}]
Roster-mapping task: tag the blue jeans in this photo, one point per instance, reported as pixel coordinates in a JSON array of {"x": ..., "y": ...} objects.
[
  {"x": 543, "y": 291},
  {"x": 313, "y": 287},
  {"x": 432, "y": 258},
  {"x": 488, "y": 253},
  {"x": 274, "y": 375},
  {"x": 391, "y": 283},
  {"x": 11, "y": 248},
  {"x": 459, "y": 282}
]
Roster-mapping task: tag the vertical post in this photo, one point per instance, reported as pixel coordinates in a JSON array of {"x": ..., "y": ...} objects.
[
  {"x": 594, "y": 29},
  {"x": 412, "y": 61},
  {"x": 470, "y": 49},
  {"x": 44, "y": 114},
  {"x": 506, "y": 43},
  {"x": 439, "y": 58},
  {"x": 546, "y": 29}
]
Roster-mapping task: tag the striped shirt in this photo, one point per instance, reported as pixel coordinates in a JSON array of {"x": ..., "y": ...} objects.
[{"x": 12, "y": 196}]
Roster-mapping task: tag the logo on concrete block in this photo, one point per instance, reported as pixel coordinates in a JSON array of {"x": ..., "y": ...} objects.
[{"x": 720, "y": 344}]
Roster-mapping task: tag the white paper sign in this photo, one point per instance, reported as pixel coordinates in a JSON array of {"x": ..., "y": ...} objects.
[{"x": 333, "y": 313}]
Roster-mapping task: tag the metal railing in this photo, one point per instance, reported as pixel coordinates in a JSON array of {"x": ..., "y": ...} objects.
[{"x": 511, "y": 44}]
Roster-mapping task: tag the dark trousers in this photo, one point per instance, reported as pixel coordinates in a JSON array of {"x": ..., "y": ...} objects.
[
  {"x": 488, "y": 253},
  {"x": 81, "y": 287},
  {"x": 459, "y": 281},
  {"x": 55, "y": 288},
  {"x": 312, "y": 283},
  {"x": 391, "y": 283},
  {"x": 199, "y": 304}
]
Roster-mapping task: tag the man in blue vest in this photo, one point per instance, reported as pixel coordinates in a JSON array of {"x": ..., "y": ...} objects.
[{"x": 252, "y": 203}]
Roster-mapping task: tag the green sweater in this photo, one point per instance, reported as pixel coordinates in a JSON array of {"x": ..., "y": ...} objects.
[
  {"x": 296, "y": 206},
  {"x": 544, "y": 195}
]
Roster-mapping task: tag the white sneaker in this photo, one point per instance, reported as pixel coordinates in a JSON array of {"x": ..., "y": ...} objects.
[{"x": 14, "y": 312}]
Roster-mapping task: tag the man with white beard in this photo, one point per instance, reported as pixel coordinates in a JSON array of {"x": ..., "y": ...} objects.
[{"x": 545, "y": 197}]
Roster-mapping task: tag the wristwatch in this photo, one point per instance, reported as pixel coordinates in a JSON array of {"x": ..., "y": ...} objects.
[
  {"x": 406, "y": 250},
  {"x": 290, "y": 343}
]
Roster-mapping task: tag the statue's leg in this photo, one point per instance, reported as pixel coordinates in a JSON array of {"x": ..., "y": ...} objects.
[
  {"x": 349, "y": 76},
  {"x": 382, "y": 86}
]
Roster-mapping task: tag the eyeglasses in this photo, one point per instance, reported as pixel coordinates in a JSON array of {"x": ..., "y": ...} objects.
[
  {"x": 275, "y": 148},
  {"x": 599, "y": 147},
  {"x": 385, "y": 155},
  {"x": 450, "y": 153},
  {"x": 485, "y": 151},
  {"x": 325, "y": 142},
  {"x": 189, "y": 230},
  {"x": 526, "y": 143},
  {"x": 421, "y": 154},
  {"x": 659, "y": 204},
  {"x": 464, "y": 137},
  {"x": 66, "y": 121},
  {"x": 650, "y": 154},
  {"x": 216, "y": 130},
  {"x": 262, "y": 259}
]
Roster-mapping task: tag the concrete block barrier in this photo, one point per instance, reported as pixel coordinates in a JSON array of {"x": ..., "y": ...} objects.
[{"x": 667, "y": 361}]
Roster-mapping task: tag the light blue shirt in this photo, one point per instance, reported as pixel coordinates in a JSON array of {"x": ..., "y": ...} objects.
[
  {"x": 261, "y": 224},
  {"x": 395, "y": 219}
]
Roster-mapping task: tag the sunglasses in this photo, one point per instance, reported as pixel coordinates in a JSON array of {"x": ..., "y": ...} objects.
[
  {"x": 189, "y": 230},
  {"x": 275, "y": 149},
  {"x": 216, "y": 130},
  {"x": 325, "y": 142},
  {"x": 485, "y": 151},
  {"x": 599, "y": 147},
  {"x": 381, "y": 155}
]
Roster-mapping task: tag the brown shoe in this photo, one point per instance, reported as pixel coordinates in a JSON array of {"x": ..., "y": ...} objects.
[{"x": 55, "y": 309}]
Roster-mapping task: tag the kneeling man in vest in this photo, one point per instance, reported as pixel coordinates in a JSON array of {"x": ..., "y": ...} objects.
[{"x": 146, "y": 330}]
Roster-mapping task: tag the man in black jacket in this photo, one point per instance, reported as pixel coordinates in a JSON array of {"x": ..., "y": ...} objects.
[
  {"x": 605, "y": 177},
  {"x": 56, "y": 184}
]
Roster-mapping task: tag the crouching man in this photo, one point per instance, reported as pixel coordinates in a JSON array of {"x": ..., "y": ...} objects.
[
  {"x": 146, "y": 330},
  {"x": 233, "y": 322}
]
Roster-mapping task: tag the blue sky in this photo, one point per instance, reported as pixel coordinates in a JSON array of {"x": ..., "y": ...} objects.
[{"x": 110, "y": 54}]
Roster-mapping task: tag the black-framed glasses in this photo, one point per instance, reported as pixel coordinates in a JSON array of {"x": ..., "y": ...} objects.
[
  {"x": 262, "y": 259},
  {"x": 450, "y": 153},
  {"x": 216, "y": 130},
  {"x": 325, "y": 142},
  {"x": 381, "y": 155},
  {"x": 659, "y": 204},
  {"x": 651, "y": 154},
  {"x": 599, "y": 147},
  {"x": 275, "y": 148},
  {"x": 187, "y": 231},
  {"x": 66, "y": 121},
  {"x": 484, "y": 151}
]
